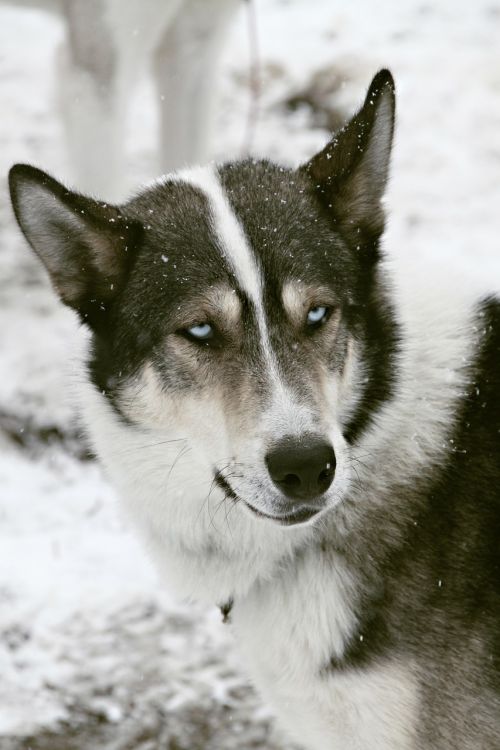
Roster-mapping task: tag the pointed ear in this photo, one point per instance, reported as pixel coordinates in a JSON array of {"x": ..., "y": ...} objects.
[
  {"x": 84, "y": 244},
  {"x": 350, "y": 174}
]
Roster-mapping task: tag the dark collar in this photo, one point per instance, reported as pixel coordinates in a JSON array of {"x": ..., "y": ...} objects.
[{"x": 225, "y": 609}]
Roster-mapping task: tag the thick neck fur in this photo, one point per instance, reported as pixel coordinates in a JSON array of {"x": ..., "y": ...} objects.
[{"x": 409, "y": 435}]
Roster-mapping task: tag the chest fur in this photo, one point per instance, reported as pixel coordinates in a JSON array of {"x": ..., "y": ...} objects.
[{"x": 288, "y": 629}]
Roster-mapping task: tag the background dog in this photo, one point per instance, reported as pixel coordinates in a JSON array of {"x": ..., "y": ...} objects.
[{"x": 109, "y": 45}]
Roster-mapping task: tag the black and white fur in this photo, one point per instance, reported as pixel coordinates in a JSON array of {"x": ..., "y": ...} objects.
[{"x": 367, "y": 610}]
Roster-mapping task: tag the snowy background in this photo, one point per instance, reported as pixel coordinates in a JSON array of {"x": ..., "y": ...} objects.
[{"x": 94, "y": 653}]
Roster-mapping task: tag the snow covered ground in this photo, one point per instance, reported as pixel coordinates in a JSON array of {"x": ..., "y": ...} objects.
[{"x": 94, "y": 653}]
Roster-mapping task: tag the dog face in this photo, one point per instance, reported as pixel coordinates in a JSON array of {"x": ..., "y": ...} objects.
[{"x": 237, "y": 316}]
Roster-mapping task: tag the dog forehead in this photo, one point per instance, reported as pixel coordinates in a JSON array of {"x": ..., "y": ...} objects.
[
  {"x": 246, "y": 253},
  {"x": 249, "y": 226},
  {"x": 180, "y": 255},
  {"x": 226, "y": 228},
  {"x": 290, "y": 235},
  {"x": 205, "y": 256},
  {"x": 271, "y": 227}
]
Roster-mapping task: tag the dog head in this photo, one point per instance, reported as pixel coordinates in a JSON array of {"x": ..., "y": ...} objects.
[{"x": 240, "y": 332}]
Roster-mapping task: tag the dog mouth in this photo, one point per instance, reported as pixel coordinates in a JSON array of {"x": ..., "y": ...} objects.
[{"x": 294, "y": 518}]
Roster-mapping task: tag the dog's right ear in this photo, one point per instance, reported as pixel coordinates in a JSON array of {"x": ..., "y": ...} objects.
[{"x": 84, "y": 244}]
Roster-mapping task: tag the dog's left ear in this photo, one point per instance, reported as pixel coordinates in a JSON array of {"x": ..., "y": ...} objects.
[{"x": 350, "y": 174}]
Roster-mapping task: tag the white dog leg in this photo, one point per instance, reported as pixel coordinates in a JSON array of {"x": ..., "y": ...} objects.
[
  {"x": 91, "y": 101},
  {"x": 185, "y": 63}
]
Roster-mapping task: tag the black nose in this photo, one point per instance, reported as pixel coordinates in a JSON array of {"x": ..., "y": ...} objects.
[{"x": 302, "y": 468}]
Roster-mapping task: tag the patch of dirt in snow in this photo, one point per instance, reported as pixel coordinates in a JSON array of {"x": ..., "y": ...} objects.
[
  {"x": 24, "y": 432},
  {"x": 145, "y": 679},
  {"x": 194, "y": 727}
]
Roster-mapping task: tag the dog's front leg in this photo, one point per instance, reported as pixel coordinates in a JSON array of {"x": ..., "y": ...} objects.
[{"x": 185, "y": 63}]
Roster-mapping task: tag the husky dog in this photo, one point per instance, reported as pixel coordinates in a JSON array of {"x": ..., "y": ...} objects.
[
  {"x": 109, "y": 43},
  {"x": 293, "y": 439}
]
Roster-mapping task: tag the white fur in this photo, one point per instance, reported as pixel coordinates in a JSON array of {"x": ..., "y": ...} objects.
[
  {"x": 207, "y": 551},
  {"x": 287, "y": 630}
]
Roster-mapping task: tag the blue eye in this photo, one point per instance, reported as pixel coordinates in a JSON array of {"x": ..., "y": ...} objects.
[
  {"x": 317, "y": 315},
  {"x": 201, "y": 332}
]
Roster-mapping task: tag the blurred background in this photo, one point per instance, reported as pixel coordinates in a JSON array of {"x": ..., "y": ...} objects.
[{"x": 94, "y": 653}]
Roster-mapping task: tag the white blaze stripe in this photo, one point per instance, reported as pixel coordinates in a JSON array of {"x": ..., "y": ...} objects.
[
  {"x": 230, "y": 233},
  {"x": 228, "y": 230}
]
